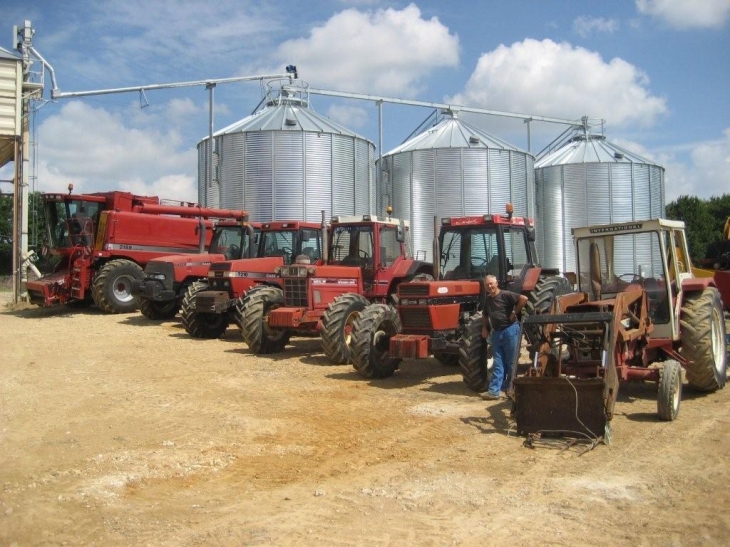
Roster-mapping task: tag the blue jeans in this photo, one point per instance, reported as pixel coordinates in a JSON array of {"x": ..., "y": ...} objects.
[{"x": 505, "y": 345}]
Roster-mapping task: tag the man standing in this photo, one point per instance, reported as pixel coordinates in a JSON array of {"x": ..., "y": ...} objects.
[{"x": 500, "y": 325}]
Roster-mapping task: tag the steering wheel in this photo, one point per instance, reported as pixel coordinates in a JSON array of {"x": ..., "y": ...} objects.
[
  {"x": 363, "y": 253},
  {"x": 234, "y": 251},
  {"x": 286, "y": 250},
  {"x": 632, "y": 278},
  {"x": 478, "y": 261}
]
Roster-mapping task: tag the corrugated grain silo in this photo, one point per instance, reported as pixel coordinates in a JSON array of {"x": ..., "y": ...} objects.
[
  {"x": 588, "y": 180},
  {"x": 454, "y": 169},
  {"x": 288, "y": 162}
]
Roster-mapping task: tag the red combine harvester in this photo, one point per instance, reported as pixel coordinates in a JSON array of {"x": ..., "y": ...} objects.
[
  {"x": 366, "y": 259},
  {"x": 167, "y": 279},
  {"x": 211, "y": 304},
  {"x": 105, "y": 239}
]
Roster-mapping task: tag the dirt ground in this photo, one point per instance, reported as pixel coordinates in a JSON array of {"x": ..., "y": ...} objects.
[{"x": 115, "y": 430}]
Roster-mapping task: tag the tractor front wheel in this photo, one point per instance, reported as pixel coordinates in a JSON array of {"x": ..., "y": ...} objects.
[
  {"x": 197, "y": 324},
  {"x": 371, "y": 336},
  {"x": 112, "y": 288},
  {"x": 670, "y": 391},
  {"x": 255, "y": 310},
  {"x": 337, "y": 322},
  {"x": 473, "y": 355},
  {"x": 158, "y": 311},
  {"x": 703, "y": 339}
]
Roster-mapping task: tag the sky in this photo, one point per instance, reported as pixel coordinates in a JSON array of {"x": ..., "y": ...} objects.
[{"x": 652, "y": 75}]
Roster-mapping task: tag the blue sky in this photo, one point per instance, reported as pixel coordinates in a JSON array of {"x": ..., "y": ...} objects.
[{"x": 657, "y": 72}]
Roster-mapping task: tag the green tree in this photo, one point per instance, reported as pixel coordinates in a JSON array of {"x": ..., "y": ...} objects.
[
  {"x": 704, "y": 220},
  {"x": 36, "y": 232}
]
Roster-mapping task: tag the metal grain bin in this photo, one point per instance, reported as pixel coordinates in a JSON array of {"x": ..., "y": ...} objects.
[
  {"x": 587, "y": 181},
  {"x": 454, "y": 169},
  {"x": 288, "y": 162}
]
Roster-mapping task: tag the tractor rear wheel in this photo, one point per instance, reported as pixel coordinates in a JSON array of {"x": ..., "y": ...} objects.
[
  {"x": 670, "y": 390},
  {"x": 337, "y": 322},
  {"x": 540, "y": 300},
  {"x": 255, "y": 311},
  {"x": 371, "y": 335},
  {"x": 473, "y": 355},
  {"x": 112, "y": 287},
  {"x": 157, "y": 311},
  {"x": 201, "y": 325},
  {"x": 703, "y": 339}
]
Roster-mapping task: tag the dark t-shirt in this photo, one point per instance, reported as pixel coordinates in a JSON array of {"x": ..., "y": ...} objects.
[{"x": 499, "y": 308}]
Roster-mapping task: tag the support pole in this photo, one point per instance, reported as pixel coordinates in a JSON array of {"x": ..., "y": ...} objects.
[{"x": 209, "y": 183}]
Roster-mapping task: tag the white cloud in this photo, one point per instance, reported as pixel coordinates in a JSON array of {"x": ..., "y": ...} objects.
[
  {"x": 99, "y": 151},
  {"x": 349, "y": 116},
  {"x": 584, "y": 26},
  {"x": 699, "y": 169},
  {"x": 387, "y": 51},
  {"x": 687, "y": 14},
  {"x": 559, "y": 80}
]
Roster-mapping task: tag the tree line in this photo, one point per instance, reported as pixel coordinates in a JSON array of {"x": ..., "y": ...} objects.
[{"x": 704, "y": 219}]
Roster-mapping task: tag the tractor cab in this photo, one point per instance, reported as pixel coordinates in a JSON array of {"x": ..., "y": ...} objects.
[
  {"x": 651, "y": 255},
  {"x": 477, "y": 246},
  {"x": 373, "y": 244}
]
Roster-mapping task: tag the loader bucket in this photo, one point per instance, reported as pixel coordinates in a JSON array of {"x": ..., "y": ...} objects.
[{"x": 570, "y": 407}]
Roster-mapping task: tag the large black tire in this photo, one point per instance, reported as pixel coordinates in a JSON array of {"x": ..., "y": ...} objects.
[
  {"x": 540, "y": 300},
  {"x": 158, "y": 311},
  {"x": 669, "y": 395},
  {"x": 112, "y": 287},
  {"x": 255, "y": 308},
  {"x": 473, "y": 355},
  {"x": 201, "y": 325},
  {"x": 371, "y": 335},
  {"x": 703, "y": 339},
  {"x": 337, "y": 323}
]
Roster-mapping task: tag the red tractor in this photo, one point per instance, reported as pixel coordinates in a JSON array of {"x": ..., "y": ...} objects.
[
  {"x": 210, "y": 305},
  {"x": 105, "y": 239},
  {"x": 166, "y": 279},
  {"x": 367, "y": 258},
  {"x": 640, "y": 316},
  {"x": 442, "y": 316}
]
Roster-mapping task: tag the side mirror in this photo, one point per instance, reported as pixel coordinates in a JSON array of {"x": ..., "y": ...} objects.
[
  {"x": 400, "y": 232},
  {"x": 531, "y": 235}
]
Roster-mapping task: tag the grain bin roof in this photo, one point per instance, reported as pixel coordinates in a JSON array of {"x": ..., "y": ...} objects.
[
  {"x": 5, "y": 54},
  {"x": 453, "y": 133},
  {"x": 287, "y": 114},
  {"x": 589, "y": 149}
]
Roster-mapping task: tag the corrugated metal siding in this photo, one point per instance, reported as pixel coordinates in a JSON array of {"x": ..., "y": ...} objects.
[
  {"x": 277, "y": 170},
  {"x": 318, "y": 176},
  {"x": 580, "y": 194},
  {"x": 343, "y": 158},
  {"x": 10, "y": 97},
  {"x": 230, "y": 171},
  {"x": 258, "y": 168},
  {"x": 289, "y": 175},
  {"x": 476, "y": 181}
]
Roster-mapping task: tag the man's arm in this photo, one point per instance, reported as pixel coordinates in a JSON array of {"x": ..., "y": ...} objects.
[
  {"x": 485, "y": 324},
  {"x": 521, "y": 302}
]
